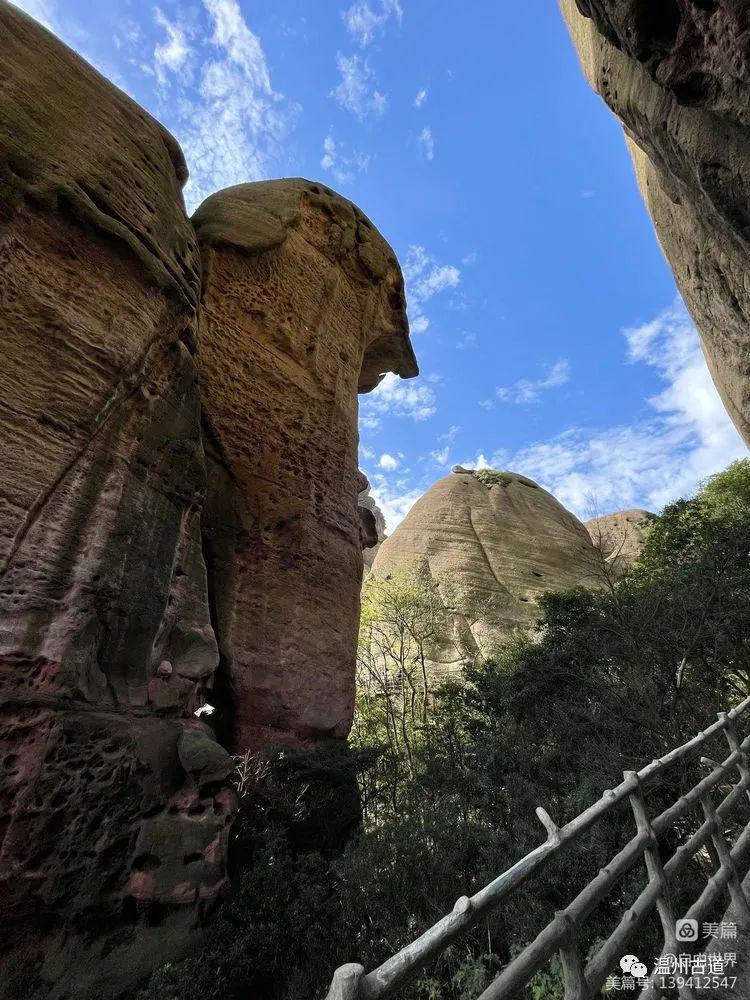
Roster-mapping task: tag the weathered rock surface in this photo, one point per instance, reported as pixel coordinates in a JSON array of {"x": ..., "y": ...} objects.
[
  {"x": 373, "y": 515},
  {"x": 170, "y": 533},
  {"x": 106, "y": 645},
  {"x": 492, "y": 547},
  {"x": 677, "y": 72},
  {"x": 303, "y": 305},
  {"x": 619, "y": 537}
]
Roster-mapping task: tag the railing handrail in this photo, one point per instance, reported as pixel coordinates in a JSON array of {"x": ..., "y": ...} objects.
[{"x": 351, "y": 982}]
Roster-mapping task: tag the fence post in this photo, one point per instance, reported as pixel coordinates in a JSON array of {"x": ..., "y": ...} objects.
[
  {"x": 576, "y": 987},
  {"x": 653, "y": 861},
  {"x": 346, "y": 980},
  {"x": 730, "y": 732},
  {"x": 656, "y": 874},
  {"x": 736, "y": 892}
]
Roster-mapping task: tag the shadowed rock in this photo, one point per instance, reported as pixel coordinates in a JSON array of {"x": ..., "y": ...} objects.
[{"x": 677, "y": 73}]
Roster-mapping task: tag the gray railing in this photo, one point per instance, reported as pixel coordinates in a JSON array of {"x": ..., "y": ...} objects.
[{"x": 352, "y": 982}]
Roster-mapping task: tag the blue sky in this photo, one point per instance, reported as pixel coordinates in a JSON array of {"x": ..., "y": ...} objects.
[{"x": 547, "y": 325}]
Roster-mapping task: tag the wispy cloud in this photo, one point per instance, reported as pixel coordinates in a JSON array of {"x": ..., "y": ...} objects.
[
  {"x": 426, "y": 142},
  {"x": 684, "y": 436},
  {"x": 440, "y": 456},
  {"x": 342, "y": 163},
  {"x": 466, "y": 341},
  {"x": 365, "y": 20},
  {"x": 420, "y": 98},
  {"x": 395, "y": 499},
  {"x": 172, "y": 54},
  {"x": 357, "y": 91},
  {"x": 231, "y": 131},
  {"x": 425, "y": 277},
  {"x": 397, "y": 397},
  {"x": 526, "y": 391},
  {"x": 388, "y": 462}
]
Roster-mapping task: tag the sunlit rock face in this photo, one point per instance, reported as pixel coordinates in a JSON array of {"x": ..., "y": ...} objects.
[
  {"x": 493, "y": 542},
  {"x": 619, "y": 537},
  {"x": 677, "y": 74},
  {"x": 303, "y": 306}
]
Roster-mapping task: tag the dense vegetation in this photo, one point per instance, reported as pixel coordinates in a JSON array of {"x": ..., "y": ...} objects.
[{"x": 449, "y": 779}]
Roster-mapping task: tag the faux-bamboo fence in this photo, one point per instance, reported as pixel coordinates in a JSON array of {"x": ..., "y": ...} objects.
[{"x": 352, "y": 982}]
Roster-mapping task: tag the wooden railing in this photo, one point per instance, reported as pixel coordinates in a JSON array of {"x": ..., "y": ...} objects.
[{"x": 561, "y": 935}]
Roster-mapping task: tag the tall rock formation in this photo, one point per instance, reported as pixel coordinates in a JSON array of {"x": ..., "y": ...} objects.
[
  {"x": 112, "y": 816},
  {"x": 303, "y": 306},
  {"x": 619, "y": 537},
  {"x": 677, "y": 74},
  {"x": 151, "y": 560},
  {"x": 493, "y": 542}
]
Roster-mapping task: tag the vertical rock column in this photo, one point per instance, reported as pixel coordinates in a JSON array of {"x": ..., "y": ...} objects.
[
  {"x": 303, "y": 306},
  {"x": 114, "y": 805}
]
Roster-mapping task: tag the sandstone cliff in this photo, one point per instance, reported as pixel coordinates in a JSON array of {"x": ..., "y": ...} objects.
[
  {"x": 178, "y": 508},
  {"x": 619, "y": 537},
  {"x": 676, "y": 73},
  {"x": 493, "y": 542},
  {"x": 303, "y": 306},
  {"x": 109, "y": 815}
]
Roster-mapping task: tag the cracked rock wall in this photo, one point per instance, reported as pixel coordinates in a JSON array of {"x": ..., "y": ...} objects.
[{"x": 677, "y": 73}]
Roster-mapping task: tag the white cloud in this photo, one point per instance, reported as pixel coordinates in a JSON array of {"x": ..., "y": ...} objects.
[
  {"x": 466, "y": 341},
  {"x": 343, "y": 165},
  {"x": 365, "y": 20},
  {"x": 441, "y": 455},
  {"x": 685, "y": 437},
  {"x": 388, "y": 462},
  {"x": 366, "y": 453},
  {"x": 425, "y": 278},
  {"x": 427, "y": 142},
  {"x": 398, "y": 398},
  {"x": 394, "y": 499},
  {"x": 173, "y": 53},
  {"x": 232, "y": 132},
  {"x": 357, "y": 92},
  {"x": 530, "y": 390},
  {"x": 420, "y": 98}
]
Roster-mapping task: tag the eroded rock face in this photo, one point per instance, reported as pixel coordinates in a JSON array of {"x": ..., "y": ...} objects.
[
  {"x": 492, "y": 547},
  {"x": 677, "y": 72},
  {"x": 170, "y": 533},
  {"x": 619, "y": 537},
  {"x": 106, "y": 643},
  {"x": 373, "y": 522},
  {"x": 303, "y": 305}
]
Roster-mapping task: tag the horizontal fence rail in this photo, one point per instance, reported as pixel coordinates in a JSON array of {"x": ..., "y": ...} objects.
[{"x": 352, "y": 982}]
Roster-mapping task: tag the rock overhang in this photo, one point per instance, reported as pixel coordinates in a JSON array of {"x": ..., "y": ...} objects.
[{"x": 258, "y": 217}]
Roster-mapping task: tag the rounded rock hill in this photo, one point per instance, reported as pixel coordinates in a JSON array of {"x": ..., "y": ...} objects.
[{"x": 493, "y": 542}]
